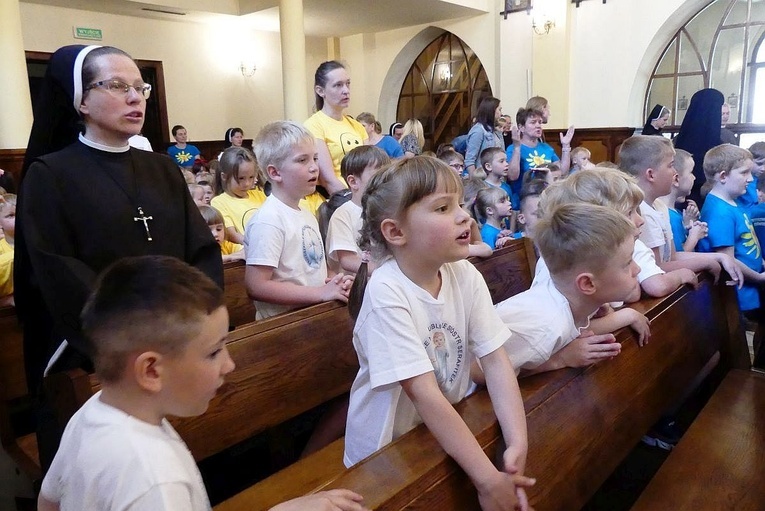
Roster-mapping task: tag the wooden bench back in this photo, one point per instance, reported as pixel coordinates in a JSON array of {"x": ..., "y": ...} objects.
[
  {"x": 581, "y": 422},
  {"x": 509, "y": 270},
  {"x": 241, "y": 310}
]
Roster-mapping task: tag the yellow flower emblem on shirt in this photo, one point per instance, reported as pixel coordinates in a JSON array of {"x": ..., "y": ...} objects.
[
  {"x": 536, "y": 160},
  {"x": 183, "y": 156},
  {"x": 751, "y": 244}
]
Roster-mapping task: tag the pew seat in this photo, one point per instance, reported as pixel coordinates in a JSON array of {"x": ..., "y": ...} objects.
[{"x": 720, "y": 461}]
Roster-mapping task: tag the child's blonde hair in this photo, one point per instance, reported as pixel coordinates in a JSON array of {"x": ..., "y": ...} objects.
[
  {"x": 642, "y": 152},
  {"x": 580, "y": 234},
  {"x": 193, "y": 188},
  {"x": 604, "y": 187},
  {"x": 389, "y": 194},
  {"x": 230, "y": 161},
  {"x": 8, "y": 199},
  {"x": 485, "y": 199},
  {"x": 414, "y": 126},
  {"x": 580, "y": 150},
  {"x": 723, "y": 158},
  {"x": 211, "y": 215},
  {"x": 275, "y": 141},
  {"x": 683, "y": 161},
  {"x": 470, "y": 188}
]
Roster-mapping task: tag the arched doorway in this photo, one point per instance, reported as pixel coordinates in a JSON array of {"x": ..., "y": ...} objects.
[{"x": 442, "y": 89}]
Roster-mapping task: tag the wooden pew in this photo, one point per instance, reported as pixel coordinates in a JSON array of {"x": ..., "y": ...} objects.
[
  {"x": 719, "y": 462},
  {"x": 286, "y": 365},
  {"x": 22, "y": 448},
  {"x": 582, "y": 422},
  {"x": 241, "y": 310}
]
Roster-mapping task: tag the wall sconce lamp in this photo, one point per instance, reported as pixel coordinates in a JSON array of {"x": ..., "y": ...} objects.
[
  {"x": 541, "y": 23},
  {"x": 247, "y": 70}
]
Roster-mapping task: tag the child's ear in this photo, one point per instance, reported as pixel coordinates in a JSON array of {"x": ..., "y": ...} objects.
[
  {"x": 392, "y": 232},
  {"x": 489, "y": 211},
  {"x": 521, "y": 219},
  {"x": 273, "y": 173},
  {"x": 352, "y": 182},
  {"x": 147, "y": 371},
  {"x": 723, "y": 176},
  {"x": 585, "y": 283}
]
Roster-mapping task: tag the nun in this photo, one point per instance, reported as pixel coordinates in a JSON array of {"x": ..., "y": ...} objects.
[
  {"x": 656, "y": 121},
  {"x": 87, "y": 199}
]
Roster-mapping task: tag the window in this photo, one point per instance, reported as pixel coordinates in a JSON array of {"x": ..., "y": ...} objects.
[
  {"x": 443, "y": 89},
  {"x": 719, "y": 47}
]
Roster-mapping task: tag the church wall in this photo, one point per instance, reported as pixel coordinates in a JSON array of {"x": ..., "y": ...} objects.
[{"x": 205, "y": 89}]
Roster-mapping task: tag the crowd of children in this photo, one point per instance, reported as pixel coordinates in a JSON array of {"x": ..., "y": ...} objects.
[{"x": 395, "y": 248}]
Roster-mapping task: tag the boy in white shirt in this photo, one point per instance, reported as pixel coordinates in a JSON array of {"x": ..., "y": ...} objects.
[
  {"x": 357, "y": 168},
  {"x": 588, "y": 251},
  {"x": 286, "y": 267},
  {"x": 158, "y": 329},
  {"x": 650, "y": 160}
]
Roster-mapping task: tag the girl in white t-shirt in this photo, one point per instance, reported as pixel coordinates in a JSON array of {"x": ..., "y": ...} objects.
[
  {"x": 242, "y": 183},
  {"x": 425, "y": 313}
]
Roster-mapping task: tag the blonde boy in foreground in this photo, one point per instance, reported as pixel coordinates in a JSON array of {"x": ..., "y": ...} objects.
[
  {"x": 588, "y": 251},
  {"x": 158, "y": 331}
]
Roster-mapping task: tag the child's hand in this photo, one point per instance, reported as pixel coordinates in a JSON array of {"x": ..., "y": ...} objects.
[
  {"x": 698, "y": 231},
  {"x": 689, "y": 277},
  {"x": 500, "y": 492},
  {"x": 337, "y": 288},
  {"x": 588, "y": 349},
  {"x": 641, "y": 325},
  {"x": 505, "y": 232},
  {"x": 502, "y": 241},
  {"x": 332, "y": 500},
  {"x": 690, "y": 213},
  {"x": 730, "y": 265}
]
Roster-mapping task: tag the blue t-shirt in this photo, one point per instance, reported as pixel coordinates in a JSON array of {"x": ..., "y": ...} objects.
[
  {"x": 757, "y": 215},
  {"x": 729, "y": 226},
  {"x": 489, "y": 235},
  {"x": 531, "y": 158},
  {"x": 749, "y": 198},
  {"x": 184, "y": 157},
  {"x": 391, "y": 147},
  {"x": 678, "y": 230}
]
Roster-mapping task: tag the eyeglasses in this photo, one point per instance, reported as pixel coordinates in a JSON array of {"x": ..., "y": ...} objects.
[
  {"x": 116, "y": 87},
  {"x": 457, "y": 166}
]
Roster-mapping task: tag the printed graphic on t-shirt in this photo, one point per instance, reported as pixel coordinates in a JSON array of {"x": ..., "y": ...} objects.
[
  {"x": 183, "y": 157},
  {"x": 536, "y": 160},
  {"x": 751, "y": 244},
  {"x": 349, "y": 140},
  {"x": 446, "y": 351},
  {"x": 313, "y": 248}
]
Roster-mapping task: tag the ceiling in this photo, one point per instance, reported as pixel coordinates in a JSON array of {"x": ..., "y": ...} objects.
[{"x": 323, "y": 18}]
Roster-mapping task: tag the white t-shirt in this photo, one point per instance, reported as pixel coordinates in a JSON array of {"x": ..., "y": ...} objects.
[
  {"x": 288, "y": 241},
  {"x": 642, "y": 255},
  {"x": 657, "y": 231},
  {"x": 343, "y": 230},
  {"x": 111, "y": 461},
  {"x": 541, "y": 323},
  {"x": 402, "y": 332}
]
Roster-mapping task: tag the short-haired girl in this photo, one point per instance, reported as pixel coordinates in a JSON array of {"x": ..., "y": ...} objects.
[
  {"x": 425, "y": 314},
  {"x": 493, "y": 205},
  {"x": 242, "y": 183}
]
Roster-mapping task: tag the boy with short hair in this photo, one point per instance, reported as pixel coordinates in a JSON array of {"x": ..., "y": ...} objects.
[
  {"x": 494, "y": 163},
  {"x": 588, "y": 251},
  {"x": 158, "y": 330},
  {"x": 183, "y": 154},
  {"x": 528, "y": 216},
  {"x": 728, "y": 170},
  {"x": 286, "y": 267},
  {"x": 684, "y": 239},
  {"x": 357, "y": 168},
  {"x": 650, "y": 160}
]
